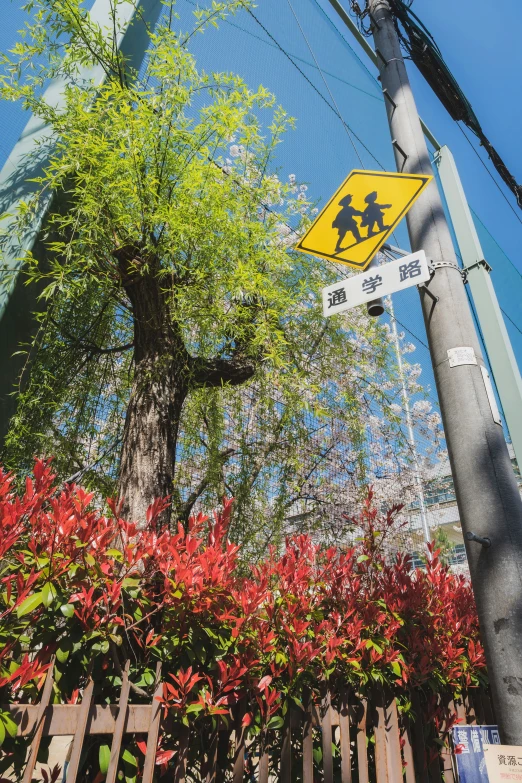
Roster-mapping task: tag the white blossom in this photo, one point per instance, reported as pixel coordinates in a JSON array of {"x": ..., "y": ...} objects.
[{"x": 421, "y": 407}]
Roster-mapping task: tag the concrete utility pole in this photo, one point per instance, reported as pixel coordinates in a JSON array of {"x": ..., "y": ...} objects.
[{"x": 489, "y": 503}]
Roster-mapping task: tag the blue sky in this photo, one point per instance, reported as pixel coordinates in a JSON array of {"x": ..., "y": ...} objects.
[
  {"x": 480, "y": 46},
  {"x": 480, "y": 42}
]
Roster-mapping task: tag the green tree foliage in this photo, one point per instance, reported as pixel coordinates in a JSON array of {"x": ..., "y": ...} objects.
[{"x": 179, "y": 323}]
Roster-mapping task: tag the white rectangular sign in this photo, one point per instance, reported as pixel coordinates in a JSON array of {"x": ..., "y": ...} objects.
[
  {"x": 503, "y": 763},
  {"x": 375, "y": 282}
]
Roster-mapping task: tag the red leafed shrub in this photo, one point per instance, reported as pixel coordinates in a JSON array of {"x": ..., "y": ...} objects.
[{"x": 94, "y": 591}]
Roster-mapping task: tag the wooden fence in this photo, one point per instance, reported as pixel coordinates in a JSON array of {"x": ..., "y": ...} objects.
[{"x": 353, "y": 740}]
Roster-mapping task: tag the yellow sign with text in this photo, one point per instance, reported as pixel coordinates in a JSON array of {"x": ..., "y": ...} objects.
[{"x": 361, "y": 215}]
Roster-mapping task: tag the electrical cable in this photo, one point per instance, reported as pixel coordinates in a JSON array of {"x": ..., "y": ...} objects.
[
  {"x": 337, "y": 113},
  {"x": 312, "y": 85},
  {"x": 424, "y": 52},
  {"x": 510, "y": 205},
  {"x": 345, "y": 126}
]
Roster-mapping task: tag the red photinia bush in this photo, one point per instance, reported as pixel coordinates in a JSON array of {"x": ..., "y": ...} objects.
[{"x": 94, "y": 591}]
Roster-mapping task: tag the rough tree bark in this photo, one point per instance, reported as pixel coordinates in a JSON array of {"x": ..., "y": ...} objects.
[{"x": 164, "y": 374}]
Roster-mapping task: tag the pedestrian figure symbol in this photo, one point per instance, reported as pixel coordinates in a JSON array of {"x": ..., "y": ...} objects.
[
  {"x": 360, "y": 216},
  {"x": 345, "y": 219},
  {"x": 374, "y": 214}
]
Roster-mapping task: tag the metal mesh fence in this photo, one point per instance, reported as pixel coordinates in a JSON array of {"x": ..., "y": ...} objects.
[{"x": 301, "y": 54}]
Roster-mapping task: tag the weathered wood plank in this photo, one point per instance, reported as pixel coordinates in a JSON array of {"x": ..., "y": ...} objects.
[
  {"x": 263, "y": 766},
  {"x": 239, "y": 743},
  {"x": 407, "y": 751},
  {"x": 285, "y": 772},
  {"x": 40, "y": 712},
  {"x": 344, "y": 724},
  {"x": 326, "y": 735},
  {"x": 308, "y": 742},
  {"x": 446, "y": 754},
  {"x": 81, "y": 726},
  {"x": 119, "y": 727},
  {"x": 61, "y": 719},
  {"x": 418, "y": 743},
  {"x": 379, "y": 731},
  {"x": 180, "y": 772},
  {"x": 478, "y": 706},
  {"x": 153, "y": 729},
  {"x": 471, "y": 717},
  {"x": 210, "y": 771},
  {"x": 489, "y": 715},
  {"x": 359, "y": 717},
  {"x": 393, "y": 739}
]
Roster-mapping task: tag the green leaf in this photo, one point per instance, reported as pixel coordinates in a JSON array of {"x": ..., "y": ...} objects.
[
  {"x": 362, "y": 558},
  {"x": 2, "y": 733},
  {"x": 67, "y": 610},
  {"x": 49, "y": 593},
  {"x": 129, "y": 758},
  {"x": 276, "y": 722},
  {"x": 104, "y": 756},
  {"x": 194, "y": 708},
  {"x": 149, "y": 677},
  {"x": 31, "y": 603},
  {"x": 396, "y": 668},
  {"x": 115, "y": 553},
  {"x": 9, "y": 724},
  {"x": 64, "y": 650}
]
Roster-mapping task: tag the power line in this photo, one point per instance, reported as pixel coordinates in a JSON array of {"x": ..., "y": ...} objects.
[
  {"x": 345, "y": 126},
  {"x": 312, "y": 85},
  {"x": 510, "y": 205}
]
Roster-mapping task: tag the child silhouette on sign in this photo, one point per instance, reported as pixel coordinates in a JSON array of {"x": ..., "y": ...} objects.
[
  {"x": 344, "y": 222},
  {"x": 374, "y": 214}
]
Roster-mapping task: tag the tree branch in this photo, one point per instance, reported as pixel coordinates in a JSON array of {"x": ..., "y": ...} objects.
[
  {"x": 210, "y": 373},
  {"x": 185, "y": 509}
]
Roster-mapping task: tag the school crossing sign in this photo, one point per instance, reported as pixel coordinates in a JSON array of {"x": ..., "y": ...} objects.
[{"x": 361, "y": 215}]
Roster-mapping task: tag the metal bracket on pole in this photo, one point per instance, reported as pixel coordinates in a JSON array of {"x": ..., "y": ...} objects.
[
  {"x": 483, "y": 263},
  {"x": 426, "y": 289},
  {"x": 399, "y": 149},
  {"x": 389, "y": 98},
  {"x": 439, "y": 264},
  {"x": 381, "y": 58},
  {"x": 483, "y": 540}
]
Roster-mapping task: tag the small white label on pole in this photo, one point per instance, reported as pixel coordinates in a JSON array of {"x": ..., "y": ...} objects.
[
  {"x": 461, "y": 355},
  {"x": 491, "y": 396},
  {"x": 375, "y": 282}
]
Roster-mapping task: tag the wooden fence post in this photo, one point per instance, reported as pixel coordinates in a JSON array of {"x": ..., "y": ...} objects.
[
  {"x": 85, "y": 708},
  {"x": 308, "y": 741},
  {"x": 326, "y": 734},
  {"x": 39, "y": 727},
  {"x": 153, "y": 733},
  {"x": 344, "y": 726},
  {"x": 120, "y": 725}
]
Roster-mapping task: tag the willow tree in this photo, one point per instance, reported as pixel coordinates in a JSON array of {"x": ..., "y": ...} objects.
[{"x": 168, "y": 272}]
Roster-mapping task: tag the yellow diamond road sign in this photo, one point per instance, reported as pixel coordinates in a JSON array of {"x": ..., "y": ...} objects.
[{"x": 361, "y": 215}]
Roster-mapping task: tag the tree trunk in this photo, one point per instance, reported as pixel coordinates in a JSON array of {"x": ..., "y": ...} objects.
[
  {"x": 164, "y": 373},
  {"x": 154, "y": 411}
]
